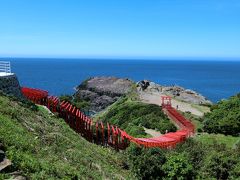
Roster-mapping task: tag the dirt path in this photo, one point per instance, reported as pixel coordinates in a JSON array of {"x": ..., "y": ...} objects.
[
  {"x": 155, "y": 98},
  {"x": 152, "y": 132}
]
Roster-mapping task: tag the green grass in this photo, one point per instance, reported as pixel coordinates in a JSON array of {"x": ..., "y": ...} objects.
[
  {"x": 42, "y": 146},
  {"x": 201, "y": 108},
  {"x": 196, "y": 120},
  {"x": 210, "y": 139},
  {"x": 131, "y": 115}
]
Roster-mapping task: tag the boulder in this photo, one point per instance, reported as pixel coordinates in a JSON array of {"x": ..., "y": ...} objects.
[
  {"x": 102, "y": 91},
  {"x": 4, "y": 162}
]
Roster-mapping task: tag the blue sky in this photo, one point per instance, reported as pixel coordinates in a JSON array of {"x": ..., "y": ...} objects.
[{"x": 120, "y": 28}]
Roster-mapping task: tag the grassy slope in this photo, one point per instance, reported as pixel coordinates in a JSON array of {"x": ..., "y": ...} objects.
[
  {"x": 44, "y": 147},
  {"x": 132, "y": 115},
  {"x": 207, "y": 138},
  {"x": 210, "y": 139}
]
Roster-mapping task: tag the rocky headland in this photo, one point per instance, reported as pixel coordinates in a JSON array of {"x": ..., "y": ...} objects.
[
  {"x": 177, "y": 92},
  {"x": 101, "y": 92}
]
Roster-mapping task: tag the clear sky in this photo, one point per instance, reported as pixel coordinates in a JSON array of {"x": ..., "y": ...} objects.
[{"x": 120, "y": 28}]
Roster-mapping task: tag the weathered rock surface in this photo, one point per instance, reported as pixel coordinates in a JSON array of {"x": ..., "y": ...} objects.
[
  {"x": 4, "y": 162},
  {"x": 102, "y": 91},
  {"x": 10, "y": 85},
  {"x": 178, "y": 92}
]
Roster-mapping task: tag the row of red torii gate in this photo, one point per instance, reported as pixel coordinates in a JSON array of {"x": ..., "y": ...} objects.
[{"x": 107, "y": 134}]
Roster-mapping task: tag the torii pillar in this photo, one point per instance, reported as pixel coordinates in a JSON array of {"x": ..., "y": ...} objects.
[{"x": 166, "y": 101}]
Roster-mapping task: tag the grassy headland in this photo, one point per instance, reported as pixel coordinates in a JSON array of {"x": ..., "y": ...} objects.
[{"x": 42, "y": 146}]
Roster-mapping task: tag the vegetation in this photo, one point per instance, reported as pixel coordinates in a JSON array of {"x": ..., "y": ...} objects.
[
  {"x": 209, "y": 139},
  {"x": 133, "y": 116},
  {"x": 196, "y": 120},
  {"x": 79, "y": 103},
  {"x": 190, "y": 160},
  {"x": 224, "y": 117},
  {"x": 42, "y": 146}
]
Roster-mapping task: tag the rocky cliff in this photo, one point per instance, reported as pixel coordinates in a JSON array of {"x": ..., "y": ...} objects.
[
  {"x": 102, "y": 91},
  {"x": 9, "y": 85},
  {"x": 177, "y": 92}
]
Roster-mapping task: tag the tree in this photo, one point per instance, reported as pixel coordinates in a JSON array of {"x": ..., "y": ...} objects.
[
  {"x": 66, "y": 97},
  {"x": 218, "y": 165},
  {"x": 224, "y": 117},
  {"x": 178, "y": 166},
  {"x": 146, "y": 163}
]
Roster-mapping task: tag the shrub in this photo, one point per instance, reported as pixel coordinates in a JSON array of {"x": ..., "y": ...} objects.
[
  {"x": 128, "y": 114},
  {"x": 177, "y": 166},
  {"x": 224, "y": 117},
  {"x": 146, "y": 163},
  {"x": 218, "y": 165}
]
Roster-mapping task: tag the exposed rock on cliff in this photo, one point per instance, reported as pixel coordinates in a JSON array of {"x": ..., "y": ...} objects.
[
  {"x": 9, "y": 84},
  {"x": 4, "y": 162},
  {"x": 102, "y": 91},
  {"x": 178, "y": 92}
]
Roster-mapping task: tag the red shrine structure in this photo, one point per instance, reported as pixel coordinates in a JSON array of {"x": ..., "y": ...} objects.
[{"x": 166, "y": 101}]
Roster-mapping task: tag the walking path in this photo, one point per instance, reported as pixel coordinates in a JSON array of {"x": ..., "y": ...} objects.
[
  {"x": 152, "y": 132},
  {"x": 155, "y": 98}
]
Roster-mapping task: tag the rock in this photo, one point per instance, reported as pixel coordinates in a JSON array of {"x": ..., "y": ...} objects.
[
  {"x": 4, "y": 162},
  {"x": 109, "y": 86},
  {"x": 2, "y": 155},
  {"x": 146, "y": 85},
  {"x": 178, "y": 92},
  {"x": 143, "y": 84},
  {"x": 9, "y": 85},
  {"x": 185, "y": 95},
  {"x": 86, "y": 95},
  {"x": 102, "y": 91},
  {"x": 16, "y": 175}
]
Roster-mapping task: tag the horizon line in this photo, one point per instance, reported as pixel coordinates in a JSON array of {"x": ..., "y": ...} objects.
[{"x": 126, "y": 58}]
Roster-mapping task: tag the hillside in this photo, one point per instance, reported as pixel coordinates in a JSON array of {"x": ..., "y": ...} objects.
[
  {"x": 224, "y": 117},
  {"x": 42, "y": 146},
  {"x": 135, "y": 117},
  {"x": 100, "y": 92}
]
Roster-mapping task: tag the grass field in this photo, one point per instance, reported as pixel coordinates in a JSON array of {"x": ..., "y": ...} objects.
[
  {"x": 206, "y": 138},
  {"x": 42, "y": 146}
]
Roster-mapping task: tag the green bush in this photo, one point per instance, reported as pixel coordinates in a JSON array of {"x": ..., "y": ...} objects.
[
  {"x": 146, "y": 163},
  {"x": 127, "y": 114},
  {"x": 218, "y": 165},
  {"x": 178, "y": 166},
  {"x": 66, "y": 97},
  {"x": 189, "y": 160},
  {"x": 224, "y": 117}
]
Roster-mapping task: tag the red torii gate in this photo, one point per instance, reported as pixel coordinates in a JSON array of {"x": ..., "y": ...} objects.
[
  {"x": 166, "y": 101},
  {"x": 110, "y": 135}
]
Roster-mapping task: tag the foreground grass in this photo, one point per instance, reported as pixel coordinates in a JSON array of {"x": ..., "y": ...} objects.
[
  {"x": 41, "y": 146},
  {"x": 210, "y": 139}
]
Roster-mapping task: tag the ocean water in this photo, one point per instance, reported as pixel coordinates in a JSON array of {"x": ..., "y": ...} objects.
[{"x": 214, "y": 79}]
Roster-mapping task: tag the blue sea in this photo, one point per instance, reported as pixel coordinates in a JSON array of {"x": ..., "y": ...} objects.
[{"x": 214, "y": 79}]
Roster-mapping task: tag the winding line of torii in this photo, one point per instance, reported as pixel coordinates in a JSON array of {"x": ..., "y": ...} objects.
[{"x": 111, "y": 135}]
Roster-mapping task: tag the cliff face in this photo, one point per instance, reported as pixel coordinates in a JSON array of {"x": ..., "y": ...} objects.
[
  {"x": 102, "y": 91},
  {"x": 177, "y": 92},
  {"x": 10, "y": 85}
]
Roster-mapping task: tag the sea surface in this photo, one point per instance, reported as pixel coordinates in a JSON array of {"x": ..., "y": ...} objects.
[{"x": 214, "y": 79}]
